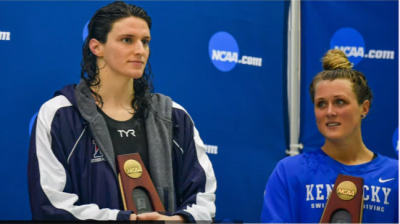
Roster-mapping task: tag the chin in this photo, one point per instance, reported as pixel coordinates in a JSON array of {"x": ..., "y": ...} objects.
[
  {"x": 334, "y": 137},
  {"x": 135, "y": 75}
]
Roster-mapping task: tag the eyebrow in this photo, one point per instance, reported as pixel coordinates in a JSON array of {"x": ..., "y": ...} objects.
[
  {"x": 130, "y": 35},
  {"x": 336, "y": 96}
]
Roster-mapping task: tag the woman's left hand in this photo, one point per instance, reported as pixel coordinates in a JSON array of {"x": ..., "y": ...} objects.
[{"x": 156, "y": 216}]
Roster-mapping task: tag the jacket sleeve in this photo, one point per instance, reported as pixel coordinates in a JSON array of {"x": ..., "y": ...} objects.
[
  {"x": 276, "y": 208},
  {"x": 50, "y": 189},
  {"x": 195, "y": 180}
]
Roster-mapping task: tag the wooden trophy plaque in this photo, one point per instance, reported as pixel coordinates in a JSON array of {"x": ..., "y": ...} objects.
[
  {"x": 346, "y": 201},
  {"x": 137, "y": 189}
]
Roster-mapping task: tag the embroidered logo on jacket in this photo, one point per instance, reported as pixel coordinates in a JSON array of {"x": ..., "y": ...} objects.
[{"x": 97, "y": 156}]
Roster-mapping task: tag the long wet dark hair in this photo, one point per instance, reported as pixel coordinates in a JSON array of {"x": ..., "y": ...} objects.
[{"x": 99, "y": 27}]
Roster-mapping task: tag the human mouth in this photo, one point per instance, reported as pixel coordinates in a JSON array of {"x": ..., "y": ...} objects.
[
  {"x": 332, "y": 124},
  {"x": 137, "y": 62}
]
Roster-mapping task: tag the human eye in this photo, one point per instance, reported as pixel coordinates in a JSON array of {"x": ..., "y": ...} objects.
[
  {"x": 321, "y": 104},
  {"x": 127, "y": 40},
  {"x": 340, "y": 102},
  {"x": 145, "y": 42}
]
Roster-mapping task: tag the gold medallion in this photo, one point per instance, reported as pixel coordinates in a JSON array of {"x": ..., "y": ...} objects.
[
  {"x": 346, "y": 190},
  {"x": 133, "y": 168}
]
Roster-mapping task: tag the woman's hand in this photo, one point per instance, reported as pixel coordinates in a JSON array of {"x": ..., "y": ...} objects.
[
  {"x": 159, "y": 217},
  {"x": 133, "y": 217}
]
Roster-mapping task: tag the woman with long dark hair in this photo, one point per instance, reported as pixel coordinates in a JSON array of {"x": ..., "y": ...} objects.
[{"x": 79, "y": 133}]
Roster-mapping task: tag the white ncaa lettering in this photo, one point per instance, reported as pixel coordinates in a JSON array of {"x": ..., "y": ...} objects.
[
  {"x": 233, "y": 57},
  {"x": 352, "y": 51},
  {"x": 5, "y": 35},
  {"x": 224, "y": 56},
  {"x": 131, "y": 131}
]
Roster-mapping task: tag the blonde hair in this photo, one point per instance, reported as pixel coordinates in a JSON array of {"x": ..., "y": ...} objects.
[{"x": 337, "y": 66}]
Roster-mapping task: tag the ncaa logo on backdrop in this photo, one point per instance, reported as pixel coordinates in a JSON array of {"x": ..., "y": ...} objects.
[
  {"x": 351, "y": 42},
  {"x": 224, "y": 53}
]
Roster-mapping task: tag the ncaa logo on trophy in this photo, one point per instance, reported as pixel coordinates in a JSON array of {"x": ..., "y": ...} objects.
[
  {"x": 133, "y": 168},
  {"x": 346, "y": 190}
]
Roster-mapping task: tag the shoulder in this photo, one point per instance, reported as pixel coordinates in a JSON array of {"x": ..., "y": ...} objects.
[
  {"x": 56, "y": 103},
  {"x": 178, "y": 109},
  {"x": 164, "y": 107},
  {"x": 179, "y": 112},
  {"x": 301, "y": 167},
  {"x": 387, "y": 163},
  {"x": 49, "y": 114},
  {"x": 307, "y": 159},
  {"x": 51, "y": 107}
]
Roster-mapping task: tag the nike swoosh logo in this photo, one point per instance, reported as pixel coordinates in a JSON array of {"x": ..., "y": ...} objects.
[{"x": 383, "y": 181}]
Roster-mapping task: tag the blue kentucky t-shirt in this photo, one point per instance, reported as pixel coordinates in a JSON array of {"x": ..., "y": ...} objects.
[{"x": 298, "y": 188}]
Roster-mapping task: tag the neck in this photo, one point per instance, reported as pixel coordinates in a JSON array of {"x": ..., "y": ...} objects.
[
  {"x": 351, "y": 151},
  {"x": 116, "y": 91}
]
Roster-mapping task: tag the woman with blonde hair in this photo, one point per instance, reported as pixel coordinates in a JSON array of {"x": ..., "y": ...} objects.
[{"x": 298, "y": 188}]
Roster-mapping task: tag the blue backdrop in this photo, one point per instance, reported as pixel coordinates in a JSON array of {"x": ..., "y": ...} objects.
[
  {"x": 222, "y": 61},
  {"x": 368, "y": 33}
]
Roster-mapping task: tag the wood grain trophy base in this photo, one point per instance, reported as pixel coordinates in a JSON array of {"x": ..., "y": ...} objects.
[
  {"x": 346, "y": 201},
  {"x": 137, "y": 189}
]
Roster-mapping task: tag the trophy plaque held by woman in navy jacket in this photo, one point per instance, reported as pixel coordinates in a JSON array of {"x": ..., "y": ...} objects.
[{"x": 137, "y": 189}]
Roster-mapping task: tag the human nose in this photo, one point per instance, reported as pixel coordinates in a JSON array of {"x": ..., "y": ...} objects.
[
  {"x": 331, "y": 112},
  {"x": 139, "y": 48}
]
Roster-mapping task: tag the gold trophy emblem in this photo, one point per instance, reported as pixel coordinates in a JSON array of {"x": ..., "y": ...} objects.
[
  {"x": 133, "y": 168},
  {"x": 346, "y": 190}
]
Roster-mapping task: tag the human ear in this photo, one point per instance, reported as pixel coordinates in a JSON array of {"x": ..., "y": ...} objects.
[
  {"x": 96, "y": 47},
  {"x": 365, "y": 108}
]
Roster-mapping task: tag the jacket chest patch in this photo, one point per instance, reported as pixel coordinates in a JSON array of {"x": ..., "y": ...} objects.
[{"x": 98, "y": 155}]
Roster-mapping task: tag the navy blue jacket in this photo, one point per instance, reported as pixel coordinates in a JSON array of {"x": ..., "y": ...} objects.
[{"x": 72, "y": 172}]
